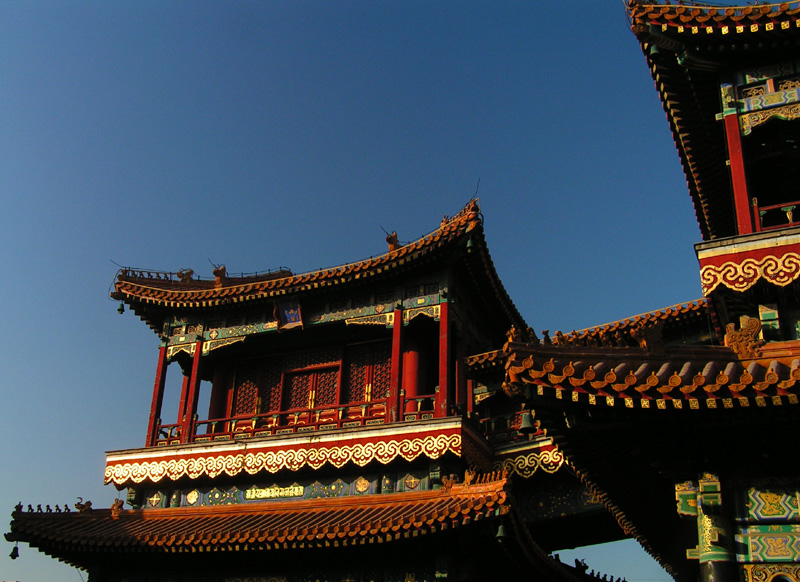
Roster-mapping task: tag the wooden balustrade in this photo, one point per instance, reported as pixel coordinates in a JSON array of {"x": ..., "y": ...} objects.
[
  {"x": 769, "y": 217},
  {"x": 419, "y": 407},
  {"x": 348, "y": 415},
  {"x": 284, "y": 422}
]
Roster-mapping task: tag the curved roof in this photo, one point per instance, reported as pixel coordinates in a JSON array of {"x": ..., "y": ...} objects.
[
  {"x": 714, "y": 16},
  {"x": 635, "y": 421},
  {"x": 689, "y": 315},
  {"x": 692, "y": 313},
  {"x": 273, "y": 525},
  {"x": 174, "y": 291},
  {"x": 83, "y": 539},
  {"x": 696, "y": 378}
]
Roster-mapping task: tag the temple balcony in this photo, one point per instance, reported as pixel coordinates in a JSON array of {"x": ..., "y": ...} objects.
[{"x": 322, "y": 418}]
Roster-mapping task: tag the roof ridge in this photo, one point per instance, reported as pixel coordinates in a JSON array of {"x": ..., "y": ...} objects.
[{"x": 677, "y": 307}]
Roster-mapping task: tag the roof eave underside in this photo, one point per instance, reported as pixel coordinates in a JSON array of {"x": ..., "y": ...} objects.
[
  {"x": 698, "y": 138},
  {"x": 710, "y": 41}
]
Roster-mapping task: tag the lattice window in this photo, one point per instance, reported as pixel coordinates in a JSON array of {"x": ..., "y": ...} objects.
[
  {"x": 271, "y": 390},
  {"x": 382, "y": 371},
  {"x": 246, "y": 392},
  {"x": 358, "y": 361},
  {"x": 315, "y": 358},
  {"x": 327, "y": 387},
  {"x": 299, "y": 390},
  {"x": 369, "y": 370}
]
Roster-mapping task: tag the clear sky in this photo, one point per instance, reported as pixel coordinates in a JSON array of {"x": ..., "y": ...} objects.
[{"x": 173, "y": 134}]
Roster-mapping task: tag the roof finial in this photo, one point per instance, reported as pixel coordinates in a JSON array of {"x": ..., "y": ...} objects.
[{"x": 391, "y": 238}]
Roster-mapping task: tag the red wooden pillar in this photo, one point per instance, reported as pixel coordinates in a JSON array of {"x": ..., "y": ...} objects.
[
  {"x": 442, "y": 396},
  {"x": 411, "y": 374},
  {"x": 460, "y": 387},
  {"x": 393, "y": 412},
  {"x": 733, "y": 135},
  {"x": 191, "y": 397},
  {"x": 158, "y": 397},
  {"x": 182, "y": 403}
]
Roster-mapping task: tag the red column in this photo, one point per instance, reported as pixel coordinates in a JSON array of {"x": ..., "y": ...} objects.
[
  {"x": 393, "y": 412},
  {"x": 158, "y": 397},
  {"x": 741, "y": 200},
  {"x": 740, "y": 197},
  {"x": 460, "y": 388},
  {"x": 191, "y": 398},
  {"x": 182, "y": 403},
  {"x": 411, "y": 373},
  {"x": 442, "y": 396}
]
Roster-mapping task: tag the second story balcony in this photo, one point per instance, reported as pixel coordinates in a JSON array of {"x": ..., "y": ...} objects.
[{"x": 298, "y": 420}]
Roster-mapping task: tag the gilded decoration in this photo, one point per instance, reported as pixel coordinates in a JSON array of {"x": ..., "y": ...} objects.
[
  {"x": 213, "y": 345},
  {"x": 432, "y": 311},
  {"x": 212, "y": 466},
  {"x": 274, "y": 492},
  {"x": 750, "y": 120},
  {"x": 741, "y": 276},
  {"x": 382, "y": 319},
  {"x": 762, "y": 101},
  {"x": 745, "y": 342},
  {"x": 772, "y": 505},
  {"x": 525, "y": 466},
  {"x": 172, "y": 351},
  {"x": 767, "y": 572},
  {"x": 769, "y": 543}
]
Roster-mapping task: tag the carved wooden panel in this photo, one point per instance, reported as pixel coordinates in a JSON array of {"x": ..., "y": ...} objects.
[{"x": 246, "y": 391}]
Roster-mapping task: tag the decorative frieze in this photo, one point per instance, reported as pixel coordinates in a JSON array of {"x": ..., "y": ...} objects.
[
  {"x": 526, "y": 464},
  {"x": 769, "y": 543},
  {"x": 271, "y": 455},
  {"x": 740, "y": 262},
  {"x": 740, "y": 275},
  {"x": 768, "y": 572}
]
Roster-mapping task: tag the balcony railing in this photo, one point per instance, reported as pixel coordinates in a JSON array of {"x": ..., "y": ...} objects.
[
  {"x": 353, "y": 414},
  {"x": 775, "y": 216}
]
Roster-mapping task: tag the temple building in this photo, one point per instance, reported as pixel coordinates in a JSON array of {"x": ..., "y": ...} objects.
[
  {"x": 396, "y": 418},
  {"x": 343, "y": 440}
]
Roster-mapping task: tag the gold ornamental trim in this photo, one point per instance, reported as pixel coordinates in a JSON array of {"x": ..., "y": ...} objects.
[
  {"x": 742, "y": 276},
  {"x": 549, "y": 461},
  {"x": 385, "y": 319},
  {"x": 293, "y": 459},
  {"x": 750, "y": 120},
  {"x": 767, "y": 572}
]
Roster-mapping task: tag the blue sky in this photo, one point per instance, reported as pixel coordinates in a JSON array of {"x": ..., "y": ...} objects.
[{"x": 166, "y": 135}]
